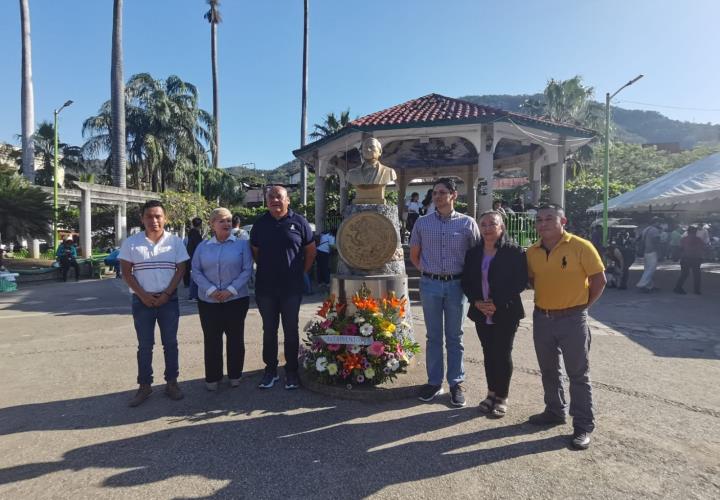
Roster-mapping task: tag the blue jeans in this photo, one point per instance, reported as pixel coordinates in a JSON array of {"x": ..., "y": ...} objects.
[
  {"x": 444, "y": 307},
  {"x": 167, "y": 318}
]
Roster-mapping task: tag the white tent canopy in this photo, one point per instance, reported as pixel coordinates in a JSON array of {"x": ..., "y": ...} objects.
[{"x": 694, "y": 187}]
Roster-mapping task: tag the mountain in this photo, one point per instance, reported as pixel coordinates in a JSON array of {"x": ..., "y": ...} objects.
[
  {"x": 631, "y": 125},
  {"x": 279, "y": 175}
]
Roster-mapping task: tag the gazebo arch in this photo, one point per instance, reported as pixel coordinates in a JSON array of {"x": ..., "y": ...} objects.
[{"x": 435, "y": 136}]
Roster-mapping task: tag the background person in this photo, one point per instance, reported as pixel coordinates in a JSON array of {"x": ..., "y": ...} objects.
[
  {"x": 284, "y": 249},
  {"x": 649, "y": 247},
  {"x": 67, "y": 257},
  {"x": 438, "y": 245},
  {"x": 692, "y": 251},
  {"x": 221, "y": 268},
  {"x": 194, "y": 238},
  {"x": 567, "y": 274},
  {"x": 494, "y": 274},
  {"x": 413, "y": 208},
  {"x": 153, "y": 264},
  {"x": 324, "y": 249},
  {"x": 237, "y": 229}
]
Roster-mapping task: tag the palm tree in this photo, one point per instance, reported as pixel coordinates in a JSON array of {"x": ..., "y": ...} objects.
[
  {"x": 166, "y": 131},
  {"x": 26, "y": 95},
  {"x": 303, "y": 114},
  {"x": 331, "y": 124},
  {"x": 568, "y": 101},
  {"x": 213, "y": 17},
  {"x": 117, "y": 99},
  {"x": 24, "y": 209}
]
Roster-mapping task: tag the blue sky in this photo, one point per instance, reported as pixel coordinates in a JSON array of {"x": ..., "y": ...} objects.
[{"x": 366, "y": 55}]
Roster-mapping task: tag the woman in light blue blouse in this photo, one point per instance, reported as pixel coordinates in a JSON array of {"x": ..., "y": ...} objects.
[{"x": 221, "y": 267}]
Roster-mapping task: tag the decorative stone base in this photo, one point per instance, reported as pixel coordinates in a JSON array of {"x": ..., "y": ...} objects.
[{"x": 406, "y": 386}]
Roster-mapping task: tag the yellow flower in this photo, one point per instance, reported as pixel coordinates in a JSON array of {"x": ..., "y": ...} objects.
[
  {"x": 387, "y": 326},
  {"x": 332, "y": 368}
]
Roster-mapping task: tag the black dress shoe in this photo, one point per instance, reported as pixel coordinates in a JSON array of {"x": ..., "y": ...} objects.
[
  {"x": 580, "y": 440},
  {"x": 547, "y": 418}
]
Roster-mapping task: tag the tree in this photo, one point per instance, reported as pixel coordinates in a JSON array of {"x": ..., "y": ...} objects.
[
  {"x": 24, "y": 209},
  {"x": 117, "y": 100},
  {"x": 331, "y": 124},
  {"x": 213, "y": 17},
  {"x": 27, "y": 100},
  {"x": 166, "y": 132},
  {"x": 181, "y": 207}
]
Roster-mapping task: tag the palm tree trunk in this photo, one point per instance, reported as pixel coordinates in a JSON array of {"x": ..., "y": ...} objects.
[
  {"x": 26, "y": 96},
  {"x": 117, "y": 100},
  {"x": 303, "y": 117},
  {"x": 216, "y": 108}
]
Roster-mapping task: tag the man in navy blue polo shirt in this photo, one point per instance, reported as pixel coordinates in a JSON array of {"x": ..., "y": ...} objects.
[{"x": 284, "y": 250}]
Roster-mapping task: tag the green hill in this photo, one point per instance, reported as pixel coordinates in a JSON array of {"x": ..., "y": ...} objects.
[{"x": 632, "y": 125}]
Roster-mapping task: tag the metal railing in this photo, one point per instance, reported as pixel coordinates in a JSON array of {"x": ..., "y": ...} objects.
[{"x": 521, "y": 227}]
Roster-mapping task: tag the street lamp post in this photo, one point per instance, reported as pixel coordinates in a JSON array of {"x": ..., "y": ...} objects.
[
  {"x": 606, "y": 170},
  {"x": 55, "y": 175}
]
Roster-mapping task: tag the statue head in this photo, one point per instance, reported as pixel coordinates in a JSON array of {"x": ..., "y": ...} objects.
[{"x": 371, "y": 149}]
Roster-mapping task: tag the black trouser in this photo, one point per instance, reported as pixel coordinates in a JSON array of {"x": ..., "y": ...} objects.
[
  {"x": 66, "y": 264},
  {"x": 497, "y": 343},
  {"x": 412, "y": 218},
  {"x": 688, "y": 264},
  {"x": 323, "y": 267},
  {"x": 227, "y": 318},
  {"x": 272, "y": 308}
]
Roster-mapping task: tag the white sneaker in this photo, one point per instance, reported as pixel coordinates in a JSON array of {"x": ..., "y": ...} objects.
[
  {"x": 211, "y": 386},
  {"x": 235, "y": 382}
]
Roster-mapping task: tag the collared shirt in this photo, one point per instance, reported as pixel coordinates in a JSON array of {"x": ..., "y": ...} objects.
[
  {"x": 153, "y": 264},
  {"x": 561, "y": 275},
  {"x": 225, "y": 265},
  {"x": 327, "y": 241},
  {"x": 281, "y": 253},
  {"x": 443, "y": 241}
]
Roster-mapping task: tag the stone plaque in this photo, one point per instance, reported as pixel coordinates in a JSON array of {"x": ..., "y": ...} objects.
[{"x": 367, "y": 240}]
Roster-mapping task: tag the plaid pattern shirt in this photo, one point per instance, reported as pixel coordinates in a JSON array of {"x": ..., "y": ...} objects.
[{"x": 443, "y": 241}]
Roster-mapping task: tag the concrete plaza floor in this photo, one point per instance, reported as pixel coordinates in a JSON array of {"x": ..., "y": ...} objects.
[{"x": 67, "y": 362}]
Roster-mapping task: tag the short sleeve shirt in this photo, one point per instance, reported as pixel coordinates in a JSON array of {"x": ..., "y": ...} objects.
[
  {"x": 561, "y": 275},
  {"x": 281, "y": 253},
  {"x": 443, "y": 241},
  {"x": 153, "y": 264}
]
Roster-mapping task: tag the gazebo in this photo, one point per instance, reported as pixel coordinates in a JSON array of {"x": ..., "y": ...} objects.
[{"x": 438, "y": 136}]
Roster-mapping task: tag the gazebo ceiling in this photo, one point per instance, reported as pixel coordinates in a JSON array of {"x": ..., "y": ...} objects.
[{"x": 435, "y": 110}]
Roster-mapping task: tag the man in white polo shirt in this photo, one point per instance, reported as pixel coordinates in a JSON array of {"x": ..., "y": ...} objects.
[{"x": 153, "y": 263}]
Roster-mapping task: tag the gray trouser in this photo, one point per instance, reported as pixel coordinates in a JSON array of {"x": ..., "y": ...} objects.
[{"x": 570, "y": 336}]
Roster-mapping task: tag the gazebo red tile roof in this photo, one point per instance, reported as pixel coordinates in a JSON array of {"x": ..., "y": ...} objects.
[
  {"x": 435, "y": 110},
  {"x": 428, "y": 109}
]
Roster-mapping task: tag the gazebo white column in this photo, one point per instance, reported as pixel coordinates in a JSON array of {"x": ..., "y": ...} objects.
[
  {"x": 557, "y": 176},
  {"x": 342, "y": 186},
  {"x": 485, "y": 168},
  {"x": 535, "y": 176},
  {"x": 120, "y": 223},
  {"x": 320, "y": 211},
  {"x": 470, "y": 180},
  {"x": 85, "y": 223}
]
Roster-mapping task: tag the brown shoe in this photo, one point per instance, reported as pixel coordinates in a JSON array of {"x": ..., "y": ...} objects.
[
  {"x": 173, "y": 390},
  {"x": 141, "y": 395}
]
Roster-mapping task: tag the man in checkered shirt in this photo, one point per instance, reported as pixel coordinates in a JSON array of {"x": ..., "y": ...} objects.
[{"x": 437, "y": 248}]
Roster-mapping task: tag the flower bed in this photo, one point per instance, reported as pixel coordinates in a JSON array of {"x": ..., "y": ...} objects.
[{"x": 371, "y": 346}]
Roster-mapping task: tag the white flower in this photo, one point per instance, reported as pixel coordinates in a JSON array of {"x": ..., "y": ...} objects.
[
  {"x": 393, "y": 364},
  {"x": 331, "y": 315},
  {"x": 359, "y": 320},
  {"x": 366, "y": 330},
  {"x": 321, "y": 364},
  {"x": 354, "y": 348},
  {"x": 330, "y": 331},
  {"x": 332, "y": 368}
]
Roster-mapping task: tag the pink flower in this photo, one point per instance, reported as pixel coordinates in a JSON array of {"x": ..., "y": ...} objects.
[
  {"x": 326, "y": 324},
  {"x": 334, "y": 347},
  {"x": 350, "y": 329},
  {"x": 377, "y": 348}
]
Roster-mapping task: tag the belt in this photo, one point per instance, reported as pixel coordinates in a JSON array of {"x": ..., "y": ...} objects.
[
  {"x": 442, "y": 277},
  {"x": 559, "y": 313}
]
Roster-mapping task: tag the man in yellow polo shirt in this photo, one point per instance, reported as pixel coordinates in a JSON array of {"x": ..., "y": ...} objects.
[{"x": 568, "y": 276}]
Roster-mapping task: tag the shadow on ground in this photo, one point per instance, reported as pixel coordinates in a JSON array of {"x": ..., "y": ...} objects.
[{"x": 324, "y": 450}]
